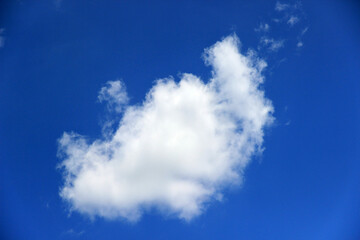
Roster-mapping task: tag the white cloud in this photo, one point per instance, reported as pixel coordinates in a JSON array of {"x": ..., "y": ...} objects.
[
  {"x": 114, "y": 93},
  {"x": 176, "y": 151},
  {"x": 272, "y": 44},
  {"x": 300, "y": 44},
  {"x": 293, "y": 20}
]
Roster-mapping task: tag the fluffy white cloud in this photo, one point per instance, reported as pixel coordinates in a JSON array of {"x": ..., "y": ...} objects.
[{"x": 176, "y": 151}]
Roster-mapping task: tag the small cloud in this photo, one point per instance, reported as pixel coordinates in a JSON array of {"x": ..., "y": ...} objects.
[
  {"x": 114, "y": 93},
  {"x": 293, "y": 20},
  {"x": 304, "y": 31},
  {"x": 281, "y": 6},
  {"x": 276, "y": 45},
  {"x": 276, "y": 20},
  {"x": 73, "y": 233},
  {"x": 300, "y": 43},
  {"x": 272, "y": 44},
  {"x": 263, "y": 27}
]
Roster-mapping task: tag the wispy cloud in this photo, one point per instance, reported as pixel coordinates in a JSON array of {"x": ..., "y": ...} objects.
[
  {"x": 114, "y": 94},
  {"x": 289, "y": 13},
  {"x": 272, "y": 44},
  {"x": 281, "y": 6},
  {"x": 263, "y": 27},
  {"x": 300, "y": 43},
  {"x": 304, "y": 31},
  {"x": 72, "y": 233},
  {"x": 287, "y": 19},
  {"x": 293, "y": 20},
  {"x": 176, "y": 151}
]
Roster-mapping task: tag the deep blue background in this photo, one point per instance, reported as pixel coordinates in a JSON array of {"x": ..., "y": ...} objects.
[{"x": 57, "y": 55}]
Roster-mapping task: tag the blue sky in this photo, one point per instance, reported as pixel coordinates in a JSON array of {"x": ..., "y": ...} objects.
[{"x": 199, "y": 157}]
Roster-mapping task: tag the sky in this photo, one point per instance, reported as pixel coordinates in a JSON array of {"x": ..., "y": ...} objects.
[{"x": 179, "y": 120}]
